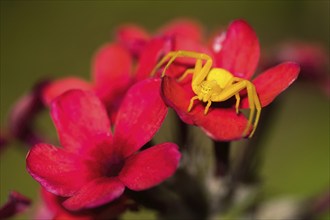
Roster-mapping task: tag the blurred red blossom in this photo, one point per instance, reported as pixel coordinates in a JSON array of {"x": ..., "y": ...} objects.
[
  {"x": 16, "y": 204},
  {"x": 52, "y": 208},
  {"x": 21, "y": 120},
  {"x": 135, "y": 38},
  {"x": 237, "y": 52},
  {"x": 312, "y": 57},
  {"x": 94, "y": 165},
  {"x": 114, "y": 69}
]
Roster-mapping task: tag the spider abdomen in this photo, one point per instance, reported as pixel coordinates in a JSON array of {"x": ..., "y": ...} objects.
[{"x": 221, "y": 76}]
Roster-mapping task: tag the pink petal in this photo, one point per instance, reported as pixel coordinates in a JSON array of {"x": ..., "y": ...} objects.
[
  {"x": 150, "y": 56},
  {"x": 240, "y": 50},
  {"x": 274, "y": 81},
  {"x": 79, "y": 118},
  {"x": 178, "y": 98},
  {"x": 133, "y": 37},
  {"x": 222, "y": 124},
  {"x": 52, "y": 202},
  {"x": 96, "y": 193},
  {"x": 58, "y": 87},
  {"x": 183, "y": 27},
  {"x": 58, "y": 170},
  {"x": 111, "y": 71},
  {"x": 150, "y": 167},
  {"x": 140, "y": 116}
]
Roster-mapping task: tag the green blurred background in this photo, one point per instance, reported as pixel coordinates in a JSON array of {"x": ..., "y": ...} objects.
[{"x": 58, "y": 38}]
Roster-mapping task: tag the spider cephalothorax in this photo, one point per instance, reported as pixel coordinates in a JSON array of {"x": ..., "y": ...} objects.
[{"x": 215, "y": 84}]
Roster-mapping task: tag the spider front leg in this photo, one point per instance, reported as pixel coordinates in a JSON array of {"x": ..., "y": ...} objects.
[
  {"x": 186, "y": 73},
  {"x": 191, "y": 103},
  {"x": 169, "y": 58},
  {"x": 209, "y": 102}
]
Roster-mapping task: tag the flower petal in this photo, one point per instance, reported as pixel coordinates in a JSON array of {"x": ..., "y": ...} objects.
[
  {"x": 133, "y": 37},
  {"x": 240, "y": 50},
  {"x": 58, "y": 87},
  {"x": 111, "y": 71},
  {"x": 222, "y": 124},
  {"x": 178, "y": 98},
  {"x": 79, "y": 118},
  {"x": 96, "y": 193},
  {"x": 58, "y": 170},
  {"x": 150, "y": 167},
  {"x": 150, "y": 56},
  {"x": 183, "y": 27},
  {"x": 140, "y": 116},
  {"x": 274, "y": 81}
]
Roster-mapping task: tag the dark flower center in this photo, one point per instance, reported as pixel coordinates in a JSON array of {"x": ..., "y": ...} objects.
[{"x": 113, "y": 167}]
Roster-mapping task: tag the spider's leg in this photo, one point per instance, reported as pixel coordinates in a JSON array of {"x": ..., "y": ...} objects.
[
  {"x": 175, "y": 55},
  {"x": 195, "y": 70},
  {"x": 201, "y": 71},
  {"x": 207, "y": 107},
  {"x": 253, "y": 101},
  {"x": 238, "y": 99},
  {"x": 231, "y": 90},
  {"x": 163, "y": 61},
  {"x": 250, "y": 92},
  {"x": 237, "y": 96},
  {"x": 258, "y": 108},
  {"x": 183, "y": 53},
  {"x": 185, "y": 74},
  {"x": 191, "y": 103}
]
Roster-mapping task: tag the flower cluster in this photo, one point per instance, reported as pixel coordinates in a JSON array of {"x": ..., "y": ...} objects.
[
  {"x": 94, "y": 165},
  {"x": 106, "y": 126}
]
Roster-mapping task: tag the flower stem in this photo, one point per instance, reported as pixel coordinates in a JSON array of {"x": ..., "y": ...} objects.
[{"x": 222, "y": 154}]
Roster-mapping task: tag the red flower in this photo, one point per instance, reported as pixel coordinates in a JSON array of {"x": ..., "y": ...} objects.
[
  {"x": 236, "y": 51},
  {"x": 135, "y": 38},
  {"x": 112, "y": 69},
  {"x": 52, "y": 208},
  {"x": 16, "y": 204},
  {"x": 312, "y": 58},
  {"x": 23, "y": 115},
  {"x": 94, "y": 165},
  {"x": 180, "y": 34}
]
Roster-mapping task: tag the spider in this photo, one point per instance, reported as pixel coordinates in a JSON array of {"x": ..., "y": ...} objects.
[{"x": 214, "y": 84}]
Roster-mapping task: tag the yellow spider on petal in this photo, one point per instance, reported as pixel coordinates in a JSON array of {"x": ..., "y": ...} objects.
[{"x": 215, "y": 85}]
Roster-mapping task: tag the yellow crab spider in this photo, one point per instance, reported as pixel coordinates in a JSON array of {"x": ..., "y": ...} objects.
[{"x": 214, "y": 84}]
